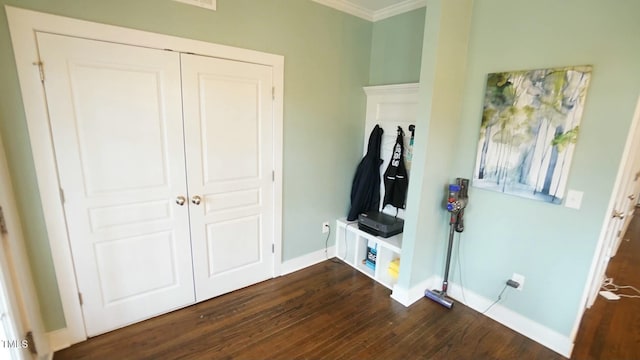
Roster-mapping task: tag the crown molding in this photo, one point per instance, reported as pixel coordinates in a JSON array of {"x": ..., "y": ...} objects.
[
  {"x": 397, "y": 9},
  {"x": 206, "y": 4},
  {"x": 348, "y": 7},
  {"x": 371, "y": 15}
]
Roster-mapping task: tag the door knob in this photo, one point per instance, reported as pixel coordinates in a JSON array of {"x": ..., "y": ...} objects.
[
  {"x": 196, "y": 199},
  {"x": 618, "y": 214},
  {"x": 180, "y": 200}
]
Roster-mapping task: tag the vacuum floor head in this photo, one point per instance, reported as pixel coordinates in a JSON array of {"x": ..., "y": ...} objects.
[{"x": 439, "y": 297}]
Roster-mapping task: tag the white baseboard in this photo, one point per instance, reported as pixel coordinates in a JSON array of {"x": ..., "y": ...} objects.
[
  {"x": 541, "y": 334},
  {"x": 307, "y": 260},
  {"x": 58, "y": 340},
  {"x": 535, "y": 331},
  {"x": 407, "y": 297}
]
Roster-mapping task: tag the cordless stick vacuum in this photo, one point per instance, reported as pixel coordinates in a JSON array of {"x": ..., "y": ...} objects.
[{"x": 456, "y": 202}]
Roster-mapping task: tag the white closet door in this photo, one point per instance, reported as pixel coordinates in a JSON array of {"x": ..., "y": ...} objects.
[
  {"x": 116, "y": 120},
  {"x": 229, "y": 146}
]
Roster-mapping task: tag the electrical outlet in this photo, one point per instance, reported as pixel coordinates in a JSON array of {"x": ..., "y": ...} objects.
[
  {"x": 519, "y": 279},
  {"x": 325, "y": 227}
]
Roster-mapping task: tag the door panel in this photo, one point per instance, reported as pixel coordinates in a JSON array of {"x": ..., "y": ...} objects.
[
  {"x": 229, "y": 127},
  {"x": 148, "y": 261},
  {"x": 105, "y": 126},
  {"x": 229, "y": 147},
  {"x": 239, "y": 237},
  {"x": 116, "y": 121}
]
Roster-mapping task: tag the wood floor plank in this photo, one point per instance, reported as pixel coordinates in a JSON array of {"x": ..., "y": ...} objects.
[
  {"x": 327, "y": 311},
  {"x": 611, "y": 329},
  {"x": 331, "y": 311}
]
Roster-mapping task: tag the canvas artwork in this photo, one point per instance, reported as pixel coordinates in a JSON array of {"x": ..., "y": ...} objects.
[{"x": 530, "y": 125}]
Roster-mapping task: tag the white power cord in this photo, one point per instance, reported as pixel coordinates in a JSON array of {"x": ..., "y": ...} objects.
[{"x": 610, "y": 286}]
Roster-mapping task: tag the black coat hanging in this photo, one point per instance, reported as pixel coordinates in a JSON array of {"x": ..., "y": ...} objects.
[
  {"x": 365, "y": 189},
  {"x": 395, "y": 177}
]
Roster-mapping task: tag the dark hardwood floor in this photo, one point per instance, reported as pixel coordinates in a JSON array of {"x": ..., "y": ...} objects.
[
  {"x": 327, "y": 311},
  {"x": 611, "y": 329},
  {"x": 330, "y": 311}
]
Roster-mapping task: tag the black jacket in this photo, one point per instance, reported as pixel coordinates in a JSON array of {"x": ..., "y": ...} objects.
[
  {"x": 395, "y": 177},
  {"x": 365, "y": 189}
]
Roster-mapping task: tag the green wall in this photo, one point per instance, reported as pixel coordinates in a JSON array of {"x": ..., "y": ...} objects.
[
  {"x": 327, "y": 55},
  {"x": 442, "y": 80},
  {"x": 396, "y": 49},
  {"x": 551, "y": 245}
]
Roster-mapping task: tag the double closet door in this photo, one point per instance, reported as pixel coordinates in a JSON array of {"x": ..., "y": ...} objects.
[{"x": 165, "y": 163}]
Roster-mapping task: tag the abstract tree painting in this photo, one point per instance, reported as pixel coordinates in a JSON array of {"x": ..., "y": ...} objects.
[{"x": 530, "y": 124}]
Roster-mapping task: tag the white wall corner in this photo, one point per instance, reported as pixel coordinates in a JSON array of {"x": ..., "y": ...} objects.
[
  {"x": 399, "y": 8},
  {"x": 535, "y": 331},
  {"x": 307, "y": 260},
  {"x": 407, "y": 297}
]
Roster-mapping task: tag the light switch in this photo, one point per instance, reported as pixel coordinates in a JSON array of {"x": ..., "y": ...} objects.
[{"x": 574, "y": 199}]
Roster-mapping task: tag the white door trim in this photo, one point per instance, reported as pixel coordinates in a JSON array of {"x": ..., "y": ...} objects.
[
  {"x": 18, "y": 281},
  {"x": 590, "y": 291},
  {"x": 23, "y": 25}
]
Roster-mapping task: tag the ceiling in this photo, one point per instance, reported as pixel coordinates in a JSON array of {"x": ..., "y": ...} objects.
[{"x": 374, "y": 10}]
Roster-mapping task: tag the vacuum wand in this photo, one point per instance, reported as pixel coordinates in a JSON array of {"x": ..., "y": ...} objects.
[{"x": 457, "y": 200}]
